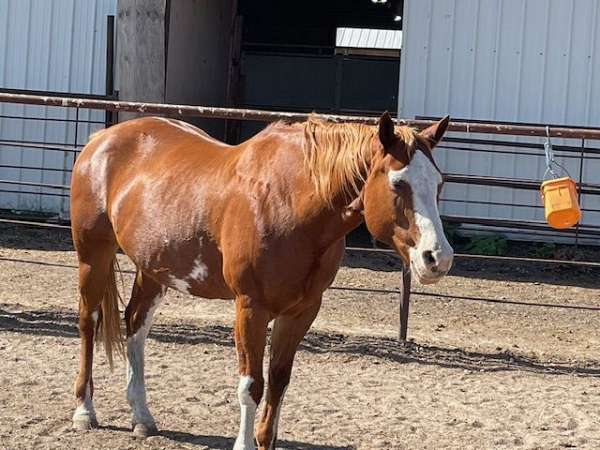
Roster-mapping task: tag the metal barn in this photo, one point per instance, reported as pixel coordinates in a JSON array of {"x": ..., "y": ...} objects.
[
  {"x": 534, "y": 61},
  {"x": 56, "y": 46}
]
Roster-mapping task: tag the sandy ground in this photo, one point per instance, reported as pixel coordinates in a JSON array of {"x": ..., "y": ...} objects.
[{"x": 477, "y": 375}]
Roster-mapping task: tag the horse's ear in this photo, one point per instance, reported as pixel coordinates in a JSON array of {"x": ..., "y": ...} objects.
[
  {"x": 436, "y": 131},
  {"x": 387, "y": 137}
]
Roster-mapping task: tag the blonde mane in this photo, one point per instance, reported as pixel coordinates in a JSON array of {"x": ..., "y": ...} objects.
[{"x": 338, "y": 155}]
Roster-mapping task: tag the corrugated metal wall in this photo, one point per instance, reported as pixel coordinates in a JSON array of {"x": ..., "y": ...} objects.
[
  {"x": 368, "y": 38},
  {"x": 534, "y": 61},
  {"x": 53, "y": 45}
]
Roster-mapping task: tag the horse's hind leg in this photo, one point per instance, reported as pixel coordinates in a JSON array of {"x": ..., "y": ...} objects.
[
  {"x": 145, "y": 298},
  {"x": 287, "y": 333},
  {"x": 95, "y": 269}
]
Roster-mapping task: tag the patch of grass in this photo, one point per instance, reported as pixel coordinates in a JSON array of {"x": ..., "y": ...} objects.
[
  {"x": 451, "y": 232},
  {"x": 488, "y": 245},
  {"x": 544, "y": 251}
]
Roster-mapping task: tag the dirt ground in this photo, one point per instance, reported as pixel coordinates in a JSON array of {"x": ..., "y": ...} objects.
[{"x": 477, "y": 374}]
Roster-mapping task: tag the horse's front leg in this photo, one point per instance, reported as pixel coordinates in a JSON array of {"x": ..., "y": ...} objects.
[
  {"x": 287, "y": 333},
  {"x": 250, "y": 338}
]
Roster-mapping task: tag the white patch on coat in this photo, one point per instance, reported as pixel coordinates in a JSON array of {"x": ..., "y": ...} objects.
[
  {"x": 136, "y": 388},
  {"x": 257, "y": 211},
  {"x": 180, "y": 285},
  {"x": 424, "y": 179},
  {"x": 85, "y": 411},
  {"x": 95, "y": 317},
  {"x": 245, "y": 438},
  {"x": 184, "y": 126},
  {"x": 116, "y": 203},
  {"x": 147, "y": 143},
  {"x": 199, "y": 269},
  {"x": 97, "y": 171}
]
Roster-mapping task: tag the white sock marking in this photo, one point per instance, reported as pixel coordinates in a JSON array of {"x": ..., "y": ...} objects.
[
  {"x": 276, "y": 419},
  {"x": 136, "y": 389},
  {"x": 85, "y": 410},
  {"x": 245, "y": 439}
]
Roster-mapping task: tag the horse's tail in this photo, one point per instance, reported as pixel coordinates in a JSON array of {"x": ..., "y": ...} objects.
[{"x": 108, "y": 327}]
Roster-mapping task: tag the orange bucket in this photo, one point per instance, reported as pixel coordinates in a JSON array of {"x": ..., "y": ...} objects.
[{"x": 560, "y": 202}]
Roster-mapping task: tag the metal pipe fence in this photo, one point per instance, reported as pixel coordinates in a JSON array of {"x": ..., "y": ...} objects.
[{"x": 580, "y": 154}]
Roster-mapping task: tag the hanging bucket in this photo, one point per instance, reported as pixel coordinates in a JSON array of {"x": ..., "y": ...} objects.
[{"x": 560, "y": 202}]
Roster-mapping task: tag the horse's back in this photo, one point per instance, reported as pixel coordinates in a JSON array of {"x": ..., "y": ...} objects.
[
  {"x": 145, "y": 147},
  {"x": 139, "y": 169}
]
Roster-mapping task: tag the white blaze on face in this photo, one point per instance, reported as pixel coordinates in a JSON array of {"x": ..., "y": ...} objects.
[{"x": 424, "y": 179}]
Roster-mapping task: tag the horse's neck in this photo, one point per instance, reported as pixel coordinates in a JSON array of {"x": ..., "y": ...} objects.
[{"x": 343, "y": 216}]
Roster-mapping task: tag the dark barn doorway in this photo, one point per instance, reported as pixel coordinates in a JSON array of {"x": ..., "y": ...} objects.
[
  {"x": 333, "y": 56},
  {"x": 325, "y": 56}
]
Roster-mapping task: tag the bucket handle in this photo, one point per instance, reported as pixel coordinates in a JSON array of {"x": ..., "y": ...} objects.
[{"x": 551, "y": 163}]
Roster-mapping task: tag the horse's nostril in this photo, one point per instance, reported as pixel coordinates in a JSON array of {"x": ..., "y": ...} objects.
[{"x": 429, "y": 260}]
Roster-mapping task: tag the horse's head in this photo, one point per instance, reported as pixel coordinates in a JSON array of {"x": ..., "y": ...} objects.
[{"x": 401, "y": 198}]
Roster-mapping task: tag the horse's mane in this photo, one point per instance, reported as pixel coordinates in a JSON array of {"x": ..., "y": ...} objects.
[{"x": 338, "y": 155}]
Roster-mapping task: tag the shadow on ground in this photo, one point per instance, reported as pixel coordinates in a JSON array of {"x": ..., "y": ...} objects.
[
  {"x": 63, "y": 324},
  {"x": 35, "y": 238},
  {"x": 223, "y": 442}
]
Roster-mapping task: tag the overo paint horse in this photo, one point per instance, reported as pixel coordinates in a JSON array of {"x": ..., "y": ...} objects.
[{"x": 263, "y": 223}]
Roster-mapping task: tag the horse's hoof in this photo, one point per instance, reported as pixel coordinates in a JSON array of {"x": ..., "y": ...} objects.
[
  {"x": 84, "y": 424},
  {"x": 141, "y": 430}
]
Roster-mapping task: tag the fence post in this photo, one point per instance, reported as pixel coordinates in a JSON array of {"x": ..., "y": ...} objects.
[
  {"x": 581, "y": 158},
  {"x": 76, "y": 133},
  {"x": 405, "y": 282},
  {"x": 110, "y": 67}
]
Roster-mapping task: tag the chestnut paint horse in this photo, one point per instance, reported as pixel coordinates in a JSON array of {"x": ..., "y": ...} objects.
[{"x": 263, "y": 222}]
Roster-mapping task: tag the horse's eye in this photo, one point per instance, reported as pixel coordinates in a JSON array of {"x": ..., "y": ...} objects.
[{"x": 399, "y": 185}]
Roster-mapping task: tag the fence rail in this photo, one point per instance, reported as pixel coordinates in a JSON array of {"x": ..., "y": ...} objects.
[
  {"x": 580, "y": 152},
  {"x": 271, "y": 116}
]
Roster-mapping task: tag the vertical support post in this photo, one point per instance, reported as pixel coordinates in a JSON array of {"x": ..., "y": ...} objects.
[
  {"x": 233, "y": 127},
  {"x": 581, "y": 158},
  {"x": 76, "y": 133},
  {"x": 110, "y": 66},
  {"x": 404, "y": 302},
  {"x": 339, "y": 74},
  {"x": 66, "y": 169}
]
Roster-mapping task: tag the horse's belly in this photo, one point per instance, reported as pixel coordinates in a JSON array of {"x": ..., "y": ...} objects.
[{"x": 192, "y": 266}]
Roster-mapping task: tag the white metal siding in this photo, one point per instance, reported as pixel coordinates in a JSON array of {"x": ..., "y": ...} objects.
[
  {"x": 368, "y": 38},
  {"x": 54, "y": 45},
  {"x": 510, "y": 60}
]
